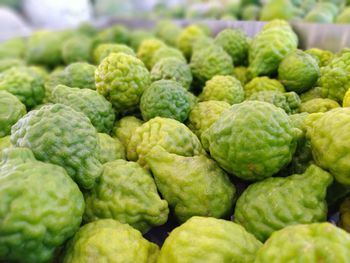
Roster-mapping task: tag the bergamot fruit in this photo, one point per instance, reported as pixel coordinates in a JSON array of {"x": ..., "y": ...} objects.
[
  {"x": 318, "y": 242},
  {"x": 235, "y": 43},
  {"x": 223, "y": 88},
  {"x": 344, "y": 217},
  {"x": 167, "y": 52},
  {"x": 147, "y": 49},
  {"x": 88, "y": 102},
  {"x": 311, "y": 94},
  {"x": 5, "y": 142},
  {"x": 11, "y": 110},
  {"x": 113, "y": 34},
  {"x": 12, "y": 48},
  {"x": 108, "y": 240},
  {"x": 346, "y": 99},
  {"x": 172, "y": 69},
  {"x": 59, "y": 135},
  {"x": 241, "y": 73},
  {"x": 110, "y": 148},
  {"x": 165, "y": 98},
  {"x": 127, "y": 193},
  {"x": 204, "y": 114},
  {"x": 77, "y": 49},
  {"x": 168, "y": 31},
  {"x": 25, "y": 84},
  {"x": 170, "y": 134},
  {"x": 7, "y": 63},
  {"x": 193, "y": 186},
  {"x": 104, "y": 50},
  {"x": 328, "y": 135},
  {"x": 122, "y": 78},
  {"x": 186, "y": 38},
  {"x": 41, "y": 207},
  {"x": 125, "y": 127},
  {"x": 298, "y": 71},
  {"x": 270, "y": 46},
  {"x": 252, "y": 140},
  {"x": 323, "y": 57},
  {"x": 262, "y": 84},
  {"x": 208, "y": 240},
  {"x": 137, "y": 36},
  {"x": 270, "y": 205},
  {"x": 318, "y": 105}
]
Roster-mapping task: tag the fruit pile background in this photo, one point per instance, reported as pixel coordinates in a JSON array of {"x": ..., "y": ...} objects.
[{"x": 176, "y": 144}]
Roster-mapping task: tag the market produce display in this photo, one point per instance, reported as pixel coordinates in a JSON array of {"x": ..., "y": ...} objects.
[{"x": 176, "y": 145}]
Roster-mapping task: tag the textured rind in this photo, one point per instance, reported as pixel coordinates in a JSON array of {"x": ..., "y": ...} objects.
[
  {"x": 110, "y": 148},
  {"x": 186, "y": 38},
  {"x": 262, "y": 84},
  {"x": 204, "y": 114},
  {"x": 125, "y": 127},
  {"x": 168, "y": 31},
  {"x": 59, "y": 135},
  {"x": 137, "y": 36},
  {"x": 241, "y": 73},
  {"x": 103, "y": 50},
  {"x": 235, "y": 43},
  {"x": 147, "y": 49},
  {"x": 122, "y": 78},
  {"x": 76, "y": 49},
  {"x": 272, "y": 204},
  {"x": 298, "y": 71},
  {"x": 328, "y": 134},
  {"x": 252, "y": 140},
  {"x": 318, "y": 242},
  {"x": 12, "y": 48},
  {"x": 209, "y": 61},
  {"x": 172, "y": 69},
  {"x": 7, "y": 63},
  {"x": 108, "y": 240},
  {"x": 346, "y": 99},
  {"x": 170, "y": 134},
  {"x": 323, "y": 57},
  {"x": 268, "y": 47},
  {"x": 223, "y": 88},
  {"x": 5, "y": 142},
  {"x": 88, "y": 102},
  {"x": 313, "y": 93},
  {"x": 165, "y": 98},
  {"x": 11, "y": 110},
  {"x": 127, "y": 193},
  {"x": 289, "y": 101},
  {"x": 335, "y": 77},
  {"x": 36, "y": 218},
  {"x": 25, "y": 84},
  {"x": 167, "y": 52},
  {"x": 205, "y": 239},
  {"x": 193, "y": 186},
  {"x": 318, "y": 105}
]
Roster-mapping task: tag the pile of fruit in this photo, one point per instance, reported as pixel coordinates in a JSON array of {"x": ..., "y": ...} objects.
[{"x": 107, "y": 135}]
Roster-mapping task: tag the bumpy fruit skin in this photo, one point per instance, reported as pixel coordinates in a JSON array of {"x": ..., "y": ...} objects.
[
  {"x": 318, "y": 242},
  {"x": 12, "y": 48},
  {"x": 59, "y": 135},
  {"x": 11, "y": 110},
  {"x": 313, "y": 93},
  {"x": 110, "y": 148},
  {"x": 335, "y": 77},
  {"x": 323, "y": 57},
  {"x": 122, "y": 78},
  {"x": 172, "y": 69},
  {"x": 318, "y": 105},
  {"x": 88, "y": 102},
  {"x": 7, "y": 63},
  {"x": 270, "y": 205},
  {"x": 241, "y": 73},
  {"x": 209, "y": 61},
  {"x": 167, "y": 52},
  {"x": 103, "y": 50},
  {"x": 137, "y": 36},
  {"x": 44, "y": 48},
  {"x": 346, "y": 100},
  {"x": 193, "y": 186},
  {"x": 207, "y": 240},
  {"x": 168, "y": 31},
  {"x": 235, "y": 43},
  {"x": 25, "y": 84},
  {"x": 125, "y": 127},
  {"x": 262, "y": 84},
  {"x": 328, "y": 134},
  {"x": 147, "y": 49},
  {"x": 289, "y": 101},
  {"x": 204, "y": 114},
  {"x": 252, "y": 140},
  {"x": 298, "y": 71},
  {"x": 223, "y": 88},
  {"x": 170, "y": 134},
  {"x": 77, "y": 49},
  {"x": 35, "y": 218},
  {"x": 5, "y": 142},
  {"x": 127, "y": 193},
  {"x": 165, "y": 98},
  {"x": 269, "y": 47},
  {"x": 108, "y": 240},
  {"x": 186, "y": 38}
]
